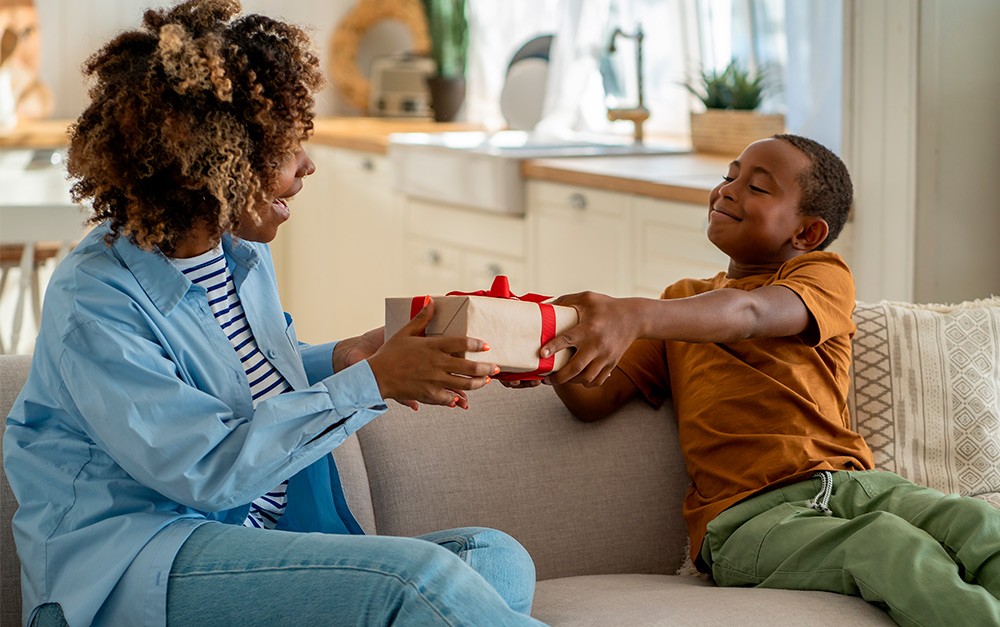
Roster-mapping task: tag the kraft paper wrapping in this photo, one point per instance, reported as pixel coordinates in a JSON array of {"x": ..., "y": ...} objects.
[{"x": 511, "y": 327}]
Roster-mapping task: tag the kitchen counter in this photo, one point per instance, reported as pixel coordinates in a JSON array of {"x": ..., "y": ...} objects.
[
  {"x": 372, "y": 134},
  {"x": 36, "y": 134},
  {"x": 683, "y": 178}
]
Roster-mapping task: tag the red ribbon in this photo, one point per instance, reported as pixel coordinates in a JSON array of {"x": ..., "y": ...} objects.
[{"x": 501, "y": 289}]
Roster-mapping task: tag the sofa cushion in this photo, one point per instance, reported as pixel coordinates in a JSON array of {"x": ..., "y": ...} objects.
[
  {"x": 13, "y": 371},
  {"x": 600, "y": 497},
  {"x": 926, "y": 392},
  {"x": 675, "y": 600}
]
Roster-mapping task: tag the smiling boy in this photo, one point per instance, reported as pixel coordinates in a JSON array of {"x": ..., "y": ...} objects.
[{"x": 756, "y": 360}]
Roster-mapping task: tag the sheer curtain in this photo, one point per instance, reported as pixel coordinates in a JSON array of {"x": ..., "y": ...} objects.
[{"x": 800, "y": 42}]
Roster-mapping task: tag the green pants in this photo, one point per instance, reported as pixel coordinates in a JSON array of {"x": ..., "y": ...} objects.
[{"x": 925, "y": 557}]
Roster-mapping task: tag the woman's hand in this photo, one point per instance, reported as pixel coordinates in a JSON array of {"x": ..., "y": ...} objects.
[
  {"x": 606, "y": 329},
  {"x": 411, "y": 367}
]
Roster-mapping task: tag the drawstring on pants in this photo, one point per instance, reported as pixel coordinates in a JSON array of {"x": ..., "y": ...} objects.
[{"x": 821, "y": 503}]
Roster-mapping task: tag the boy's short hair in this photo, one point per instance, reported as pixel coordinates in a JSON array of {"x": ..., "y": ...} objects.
[
  {"x": 190, "y": 115},
  {"x": 827, "y": 191}
]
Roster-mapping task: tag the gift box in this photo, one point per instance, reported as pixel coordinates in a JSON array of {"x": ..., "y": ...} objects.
[{"x": 515, "y": 327}]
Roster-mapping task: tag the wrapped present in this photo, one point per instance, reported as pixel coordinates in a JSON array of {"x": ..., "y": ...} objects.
[{"x": 514, "y": 326}]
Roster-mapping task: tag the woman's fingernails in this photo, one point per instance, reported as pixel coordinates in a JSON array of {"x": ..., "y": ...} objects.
[
  {"x": 486, "y": 346},
  {"x": 496, "y": 369},
  {"x": 488, "y": 380},
  {"x": 545, "y": 352}
]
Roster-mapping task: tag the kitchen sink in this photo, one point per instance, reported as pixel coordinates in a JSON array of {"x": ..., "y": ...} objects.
[{"x": 482, "y": 170}]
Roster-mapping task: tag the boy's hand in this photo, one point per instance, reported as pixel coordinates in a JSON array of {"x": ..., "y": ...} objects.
[
  {"x": 605, "y": 331},
  {"x": 410, "y": 367}
]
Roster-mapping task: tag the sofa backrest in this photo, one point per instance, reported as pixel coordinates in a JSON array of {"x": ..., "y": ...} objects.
[
  {"x": 13, "y": 371},
  {"x": 583, "y": 498}
]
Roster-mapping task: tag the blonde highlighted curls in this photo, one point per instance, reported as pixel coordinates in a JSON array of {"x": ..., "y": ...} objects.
[{"x": 188, "y": 118}]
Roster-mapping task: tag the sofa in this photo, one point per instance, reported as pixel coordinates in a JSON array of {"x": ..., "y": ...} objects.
[{"x": 598, "y": 505}]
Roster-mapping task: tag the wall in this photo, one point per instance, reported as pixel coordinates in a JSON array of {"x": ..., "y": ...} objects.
[
  {"x": 958, "y": 156},
  {"x": 73, "y": 29}
]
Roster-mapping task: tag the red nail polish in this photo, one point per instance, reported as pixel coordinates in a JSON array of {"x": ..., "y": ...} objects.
[
  {"x": 496, "y": 369},
  {"x": 486, "y": 346}
]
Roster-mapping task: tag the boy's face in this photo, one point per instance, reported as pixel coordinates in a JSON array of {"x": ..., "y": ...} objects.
[
  {"x": 274, "y": 213},
  {"x": 754, "y": 212}
]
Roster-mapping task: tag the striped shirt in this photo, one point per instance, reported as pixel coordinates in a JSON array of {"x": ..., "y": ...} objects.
[{"x": 211, "y": 272}]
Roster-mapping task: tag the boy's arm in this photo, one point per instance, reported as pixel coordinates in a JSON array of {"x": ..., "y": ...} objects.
[
  {"x": 609, "y": 325},
  {"x": 594, "y": 403}
]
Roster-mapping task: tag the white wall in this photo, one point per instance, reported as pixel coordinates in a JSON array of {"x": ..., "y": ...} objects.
[{"x": 958, "y": 157}]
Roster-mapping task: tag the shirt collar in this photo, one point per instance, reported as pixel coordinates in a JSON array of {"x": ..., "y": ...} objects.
[{"x": 163, "y": 283}]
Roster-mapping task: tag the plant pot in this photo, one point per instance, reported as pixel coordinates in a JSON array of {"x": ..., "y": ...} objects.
[
  {"x": 447, "y": 96},
  {"x": 727, "y": 132}
]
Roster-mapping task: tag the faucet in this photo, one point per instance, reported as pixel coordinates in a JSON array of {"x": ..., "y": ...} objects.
[{"x": 639, "y": 113}]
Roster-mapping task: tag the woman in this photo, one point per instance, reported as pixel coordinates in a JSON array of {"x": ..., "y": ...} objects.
[{"x": 170, "y": 449}]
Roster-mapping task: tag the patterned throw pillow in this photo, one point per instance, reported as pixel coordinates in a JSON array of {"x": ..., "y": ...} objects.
[{"x": 926, "y": 392}]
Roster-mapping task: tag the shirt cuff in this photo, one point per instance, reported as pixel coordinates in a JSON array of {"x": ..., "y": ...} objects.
[
  {"x": 318, "y": 361},
  {"x": 354, "y": 388}
]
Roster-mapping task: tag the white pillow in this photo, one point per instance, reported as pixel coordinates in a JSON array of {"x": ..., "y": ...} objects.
[{"x": 925, "y": 392}]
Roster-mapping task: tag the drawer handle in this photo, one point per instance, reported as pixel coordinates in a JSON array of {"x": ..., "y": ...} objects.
[
  {"x": 577, "y": 201},
  {"x": 367, "y": 164},
  {"x": 433, "y": 257}
]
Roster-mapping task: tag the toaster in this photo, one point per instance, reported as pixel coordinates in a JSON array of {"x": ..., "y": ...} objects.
[{"x": 399, "y": 86}]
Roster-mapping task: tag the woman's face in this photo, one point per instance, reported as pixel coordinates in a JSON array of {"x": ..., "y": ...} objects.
[{"x": 275, "y": 212}]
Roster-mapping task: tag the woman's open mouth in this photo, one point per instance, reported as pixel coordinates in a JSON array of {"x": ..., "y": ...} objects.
[{"x": 280, "y": 206}]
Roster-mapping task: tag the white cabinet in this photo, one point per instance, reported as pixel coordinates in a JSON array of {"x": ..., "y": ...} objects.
[
  {"x": 579, "y": 239},
  {"x": 670, "y": 243},
  {"x": 341, "y": 253},
  {"x": 452, "y": 248}
]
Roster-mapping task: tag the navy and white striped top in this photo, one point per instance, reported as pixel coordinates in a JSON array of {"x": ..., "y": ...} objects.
[{"x": 211, "y": 272}]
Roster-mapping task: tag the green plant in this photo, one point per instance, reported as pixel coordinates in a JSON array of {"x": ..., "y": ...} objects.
[
  {"x": 732, "y": 88},
  {"x": 449, "y": 31}
]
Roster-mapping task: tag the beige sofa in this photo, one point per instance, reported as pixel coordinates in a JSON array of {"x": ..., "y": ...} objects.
[{"x": 598, "y": 504}]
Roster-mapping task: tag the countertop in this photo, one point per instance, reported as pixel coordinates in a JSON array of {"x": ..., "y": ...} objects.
[{"x": 684, "y": 178}]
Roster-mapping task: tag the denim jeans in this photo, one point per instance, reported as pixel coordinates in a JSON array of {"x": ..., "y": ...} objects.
[
  {"x": 234, "y": 575},
  {"x": 925, "y": 557}
]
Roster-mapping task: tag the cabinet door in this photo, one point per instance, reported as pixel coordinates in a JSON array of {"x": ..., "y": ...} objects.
[
  {"x": 670, "y": 244},
  {"x": 340, "y": 254},
  {"x": 365, "y": 241},
  {"x": 579, "y": 239}
]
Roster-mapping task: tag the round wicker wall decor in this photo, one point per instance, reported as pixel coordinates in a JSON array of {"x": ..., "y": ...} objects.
[{"x": 344, "y": 70}]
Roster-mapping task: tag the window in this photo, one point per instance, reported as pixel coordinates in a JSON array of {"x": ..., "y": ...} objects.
[{"x": 800, "y": 42}]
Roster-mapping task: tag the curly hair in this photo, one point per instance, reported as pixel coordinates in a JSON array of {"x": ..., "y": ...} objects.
[
  {"x": 188, "y": 119},
  {"x": 827, "y": 191}
]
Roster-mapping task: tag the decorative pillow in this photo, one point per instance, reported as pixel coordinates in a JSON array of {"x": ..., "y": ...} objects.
[{"x": 925, "y": 392}]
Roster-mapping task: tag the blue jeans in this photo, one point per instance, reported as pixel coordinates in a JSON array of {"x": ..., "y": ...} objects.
[
  {"x": 228, "y": 575},
  {"x": 234, "y": 575}
]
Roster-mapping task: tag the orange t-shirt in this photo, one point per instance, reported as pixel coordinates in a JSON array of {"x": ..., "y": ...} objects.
[{"x": 759, "y": 413}]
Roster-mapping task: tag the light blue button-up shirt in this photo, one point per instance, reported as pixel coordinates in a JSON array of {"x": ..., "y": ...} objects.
[{"x": 136, "y": 425}]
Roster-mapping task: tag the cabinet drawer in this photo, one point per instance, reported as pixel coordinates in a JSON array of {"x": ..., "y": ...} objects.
[
  {"x": 546, "y": 196},
  {"x": 431, "y": 267},
  {"x": 504, "y": 235}
]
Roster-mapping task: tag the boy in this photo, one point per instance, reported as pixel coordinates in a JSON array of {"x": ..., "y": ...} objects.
[{"x": 756, "y": 360}]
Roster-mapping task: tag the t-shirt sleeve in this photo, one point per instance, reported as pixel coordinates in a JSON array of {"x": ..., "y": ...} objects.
[
  {"x": 825, "y": 284},
  {"x": 645, "y": 364}
]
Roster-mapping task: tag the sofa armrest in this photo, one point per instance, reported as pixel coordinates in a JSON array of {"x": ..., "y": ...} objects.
[{"x": 583, "y": 498}]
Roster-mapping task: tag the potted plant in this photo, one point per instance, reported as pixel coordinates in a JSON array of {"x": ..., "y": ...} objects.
[
  {"x": 449, "y": 32},
  {"x": 730, "y": 120}
]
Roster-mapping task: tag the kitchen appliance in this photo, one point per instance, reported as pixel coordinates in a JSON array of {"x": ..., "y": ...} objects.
[{"x": 399, "y": 86}]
